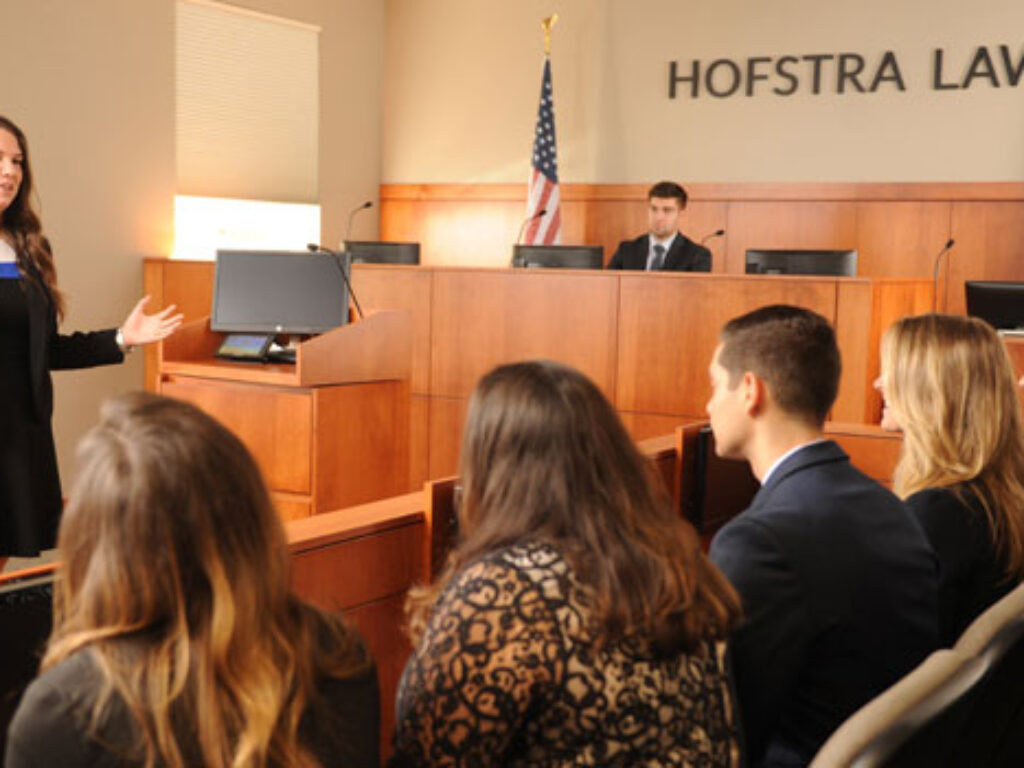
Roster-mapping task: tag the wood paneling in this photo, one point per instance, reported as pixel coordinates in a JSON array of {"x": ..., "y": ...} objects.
[
  {"x": 481, "y": 319},
  {"x": 989, "y": 246},
  {"x": 853, "y": 335},
  {"x": 419, "y": 441},
  {"x": 901, "y": 239},
  {"x": 642, "y": 426},
  {"x": 381, "y": 287},
  {"x": 447, "y": 417},
  {"x": 872, "y": 450},
  {"x": 362, "y": 443},
  {"x": 276, "y": 425},
  {"x": 291, "y": 506},
  {"x": 668, "y": 331},
  {"x": 811, "y": 225},
  {"x": 381, "y": 624}
]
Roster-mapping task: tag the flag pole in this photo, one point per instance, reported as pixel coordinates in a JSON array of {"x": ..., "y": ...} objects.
[{"x": 546, "y": 25}]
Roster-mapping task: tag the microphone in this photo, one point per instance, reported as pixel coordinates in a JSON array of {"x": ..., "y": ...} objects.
[
  {"x": 528, "y": 220},
  {"x": 935, "y": 279},
  {"x": 336, "y": 258},
  {"x": 351, "y": 215},
  {"x": 716, "y": 233}
]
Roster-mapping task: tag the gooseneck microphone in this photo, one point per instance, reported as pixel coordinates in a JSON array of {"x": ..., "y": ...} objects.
[
  {"x": 528, "y": 220},
  {"x": 716, "y": 233},
  {"x": 336, "y": 258},
  {"x": 352, "y": 215},
  {"x": 935, "y": 279}
]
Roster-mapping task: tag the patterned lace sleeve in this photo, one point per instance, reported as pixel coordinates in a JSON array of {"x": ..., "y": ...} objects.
[{"x": 491, "y": 650}]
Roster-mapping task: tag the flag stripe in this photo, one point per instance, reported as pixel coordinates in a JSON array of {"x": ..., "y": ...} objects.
[{"x": 543, "y": 193}]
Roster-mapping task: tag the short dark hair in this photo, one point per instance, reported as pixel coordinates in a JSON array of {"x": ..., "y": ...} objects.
[
  {"x": 793, "y": 350},
  {"x": 666, "y": 189}
]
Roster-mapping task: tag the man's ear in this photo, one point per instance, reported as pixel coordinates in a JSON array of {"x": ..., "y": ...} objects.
[{"x": 755, "y": 394}]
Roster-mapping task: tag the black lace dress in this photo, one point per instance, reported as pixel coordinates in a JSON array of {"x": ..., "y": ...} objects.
[
  {"x": 30, "y": 496},
  {"x": 507, "y": 673}
]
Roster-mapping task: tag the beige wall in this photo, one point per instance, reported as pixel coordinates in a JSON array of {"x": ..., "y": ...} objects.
[
  {"x": 92, "y": 84},
  {"x": 462, "y": 81}
]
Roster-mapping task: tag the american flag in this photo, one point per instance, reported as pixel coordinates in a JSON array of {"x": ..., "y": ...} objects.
[{"x": 543, "y": 193}]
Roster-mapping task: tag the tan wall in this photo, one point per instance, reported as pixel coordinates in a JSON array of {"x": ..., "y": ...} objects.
[
  {"x": 463, "y": 76},
  {"x": 92, "y": 84}
]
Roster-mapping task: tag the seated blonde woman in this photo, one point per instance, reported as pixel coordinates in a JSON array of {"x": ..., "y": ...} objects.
[
  {"x": 577, "y": 621},
  {"x": 176, "y": 640},
  {"x": 948, "y": 384}
]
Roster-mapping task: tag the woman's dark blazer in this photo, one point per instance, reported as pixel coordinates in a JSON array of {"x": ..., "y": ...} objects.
[
  {"x": 971, "y": 573},
  {"x": 50, "y": 350}
]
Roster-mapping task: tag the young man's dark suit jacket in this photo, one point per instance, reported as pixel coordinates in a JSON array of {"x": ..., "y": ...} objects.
[
  {"x": 839, "y": 590},
  {"x": 684, "y": 255}
]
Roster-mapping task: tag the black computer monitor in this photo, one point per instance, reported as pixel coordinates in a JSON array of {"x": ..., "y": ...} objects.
[
  {"x": 1000, "y": 304},
  {"x": 279, "y": 292},
  {"x": 378, "y": 252},
  {"x": 26, "y": 616},
  {"x": 801, "y": 262},
  {"x": 558, "y": 256}
]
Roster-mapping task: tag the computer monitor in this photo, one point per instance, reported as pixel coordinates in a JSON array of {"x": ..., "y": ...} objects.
[
  {"x": 272, "y": 292},
  {"x": 378, "y": 252},
  {"x": 789, "y": 261},
  {"x": 558, "y": 256},
  {"x": 26, "y": 616},
  {"x": 1000, "y": 304}
]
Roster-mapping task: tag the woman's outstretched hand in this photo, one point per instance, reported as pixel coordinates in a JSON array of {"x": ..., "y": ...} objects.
[{"x": 140, "y": 328}]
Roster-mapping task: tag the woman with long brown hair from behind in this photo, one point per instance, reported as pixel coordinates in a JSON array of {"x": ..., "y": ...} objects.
[
  {"x": 577, "y": 620},
  {"x": 176, "y": 639},
  {"x": 949, "y": 385}
]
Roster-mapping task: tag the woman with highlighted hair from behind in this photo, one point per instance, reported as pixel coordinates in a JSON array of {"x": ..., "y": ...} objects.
[
  {"x": 948, "y": 384},
  {"x": 577, "y": 621},
  {"x": 176, "y": 639}
]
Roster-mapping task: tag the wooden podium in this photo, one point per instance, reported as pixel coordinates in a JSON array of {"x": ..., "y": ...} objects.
[{"x": 330, "y": 430}]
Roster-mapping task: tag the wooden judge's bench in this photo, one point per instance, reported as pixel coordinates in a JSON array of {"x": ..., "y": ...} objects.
[{"x": 645, "y": 339}]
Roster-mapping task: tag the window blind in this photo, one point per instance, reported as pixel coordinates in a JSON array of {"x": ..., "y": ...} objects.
[{"x": 247, "y": 110}]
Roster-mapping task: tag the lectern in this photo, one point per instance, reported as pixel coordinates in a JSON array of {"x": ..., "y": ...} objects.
[{"x": 330, "y": 430}]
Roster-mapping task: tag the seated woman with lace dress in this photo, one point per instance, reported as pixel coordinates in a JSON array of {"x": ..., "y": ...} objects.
[{"x": 577, "y": 620}]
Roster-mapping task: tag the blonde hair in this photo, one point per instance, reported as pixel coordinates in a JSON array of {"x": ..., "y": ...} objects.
[
  {"x": 545, "y": 458},
  {"x": 174, "y": 574},
  {"x": 951, "y": 387}
]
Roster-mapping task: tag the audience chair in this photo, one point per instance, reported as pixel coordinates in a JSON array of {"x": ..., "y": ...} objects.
[
  {"x": 954, "y": 710},
  {"x": 979, "y": 634}
]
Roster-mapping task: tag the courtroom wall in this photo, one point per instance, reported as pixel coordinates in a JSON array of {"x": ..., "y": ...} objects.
[
  {"x": 462, "y": 81},
  {"x": 92, "y": 84}
]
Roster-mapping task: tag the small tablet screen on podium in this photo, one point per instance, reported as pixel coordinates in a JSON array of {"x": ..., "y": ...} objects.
[
  {"x": 559, "y": 256},
  {"x": 788, "y": 261},
  {"x": 278, "y": 292}
]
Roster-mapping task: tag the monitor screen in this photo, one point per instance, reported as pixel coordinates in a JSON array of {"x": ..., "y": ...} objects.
[
  {"x": 801, "y": 262},
  {"x": 559, "y": 256},
  {"x": 278, "y": 292},
  {"x": 376, "y": 252},
  {"x": 999, "y": 304}
]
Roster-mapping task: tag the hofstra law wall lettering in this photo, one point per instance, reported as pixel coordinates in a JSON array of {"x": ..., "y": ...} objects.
[{"x": 839, "y": 73}]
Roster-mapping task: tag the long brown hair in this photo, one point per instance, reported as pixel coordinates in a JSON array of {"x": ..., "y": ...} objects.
[
  {"x": 545, "y": 458},
  {"x": 22, "y": 225},
  {"x": 951, "y": 387},
  {"x": 175, "y": 576}
]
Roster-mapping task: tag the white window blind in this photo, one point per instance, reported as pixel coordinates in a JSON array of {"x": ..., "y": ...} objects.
[{"x": 247, "y": 111}]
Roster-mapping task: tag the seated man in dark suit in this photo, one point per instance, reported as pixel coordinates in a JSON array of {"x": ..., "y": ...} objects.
[
  {"x": 664, "y": 247},
  {"x": 839, "y": 584}
]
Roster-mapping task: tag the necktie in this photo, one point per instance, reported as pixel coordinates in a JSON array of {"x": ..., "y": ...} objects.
[{"x": 659, "y": 258}]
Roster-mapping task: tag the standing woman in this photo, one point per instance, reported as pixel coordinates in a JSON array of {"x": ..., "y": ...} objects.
[
  {"x": 577, "y": 621},
  {"x": 948, "y": 384},
  {"x": 31, "y": 306}
]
